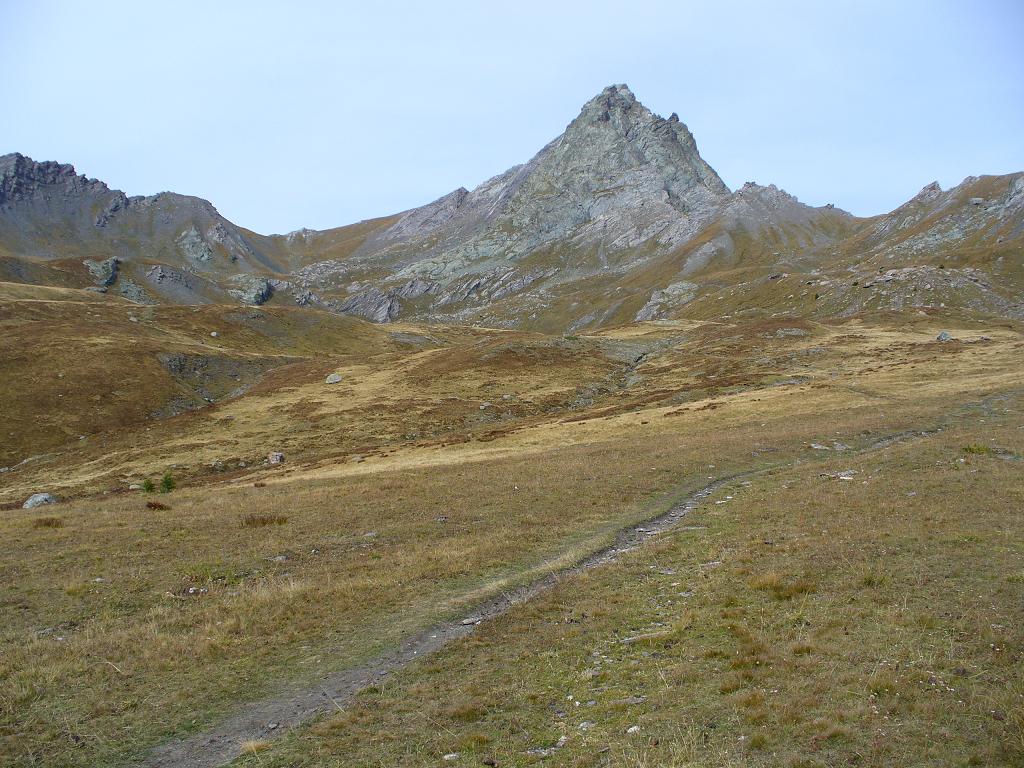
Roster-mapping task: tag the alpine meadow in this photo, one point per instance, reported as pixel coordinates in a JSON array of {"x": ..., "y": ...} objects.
[{"x": 598, "y": 463}]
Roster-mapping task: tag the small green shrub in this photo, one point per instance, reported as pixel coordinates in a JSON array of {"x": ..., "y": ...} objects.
[
  {"x": 147, "y": 486},
  {"x": 166, "y": 483}
]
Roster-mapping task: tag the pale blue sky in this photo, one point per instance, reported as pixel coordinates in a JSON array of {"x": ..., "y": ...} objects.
[{"x": 322, "y": 113}]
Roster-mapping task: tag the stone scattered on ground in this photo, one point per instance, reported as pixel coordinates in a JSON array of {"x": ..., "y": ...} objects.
[
  {"x": 275, "y": 457},
  {"x": 783, "y": 333},
  {"x": 629, "y": 700},
  {"x": 548, "y": 751},
  {"x": 334, "y": 378},
  {"x": 944, "y": 336},
  {"x": 39, "y": 500},
  {"x": 846, "y": 474}
]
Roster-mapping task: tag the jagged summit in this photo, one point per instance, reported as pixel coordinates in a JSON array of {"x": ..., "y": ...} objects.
[
  {"x": 21, "y": 178},
  {"x": 643, "y": 138},
  {"x": 614, "y": 97}
]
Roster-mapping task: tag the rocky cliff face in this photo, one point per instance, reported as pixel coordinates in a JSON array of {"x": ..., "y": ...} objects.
[
  {"x": 617, "y": 219},
  {"x": 22, "y": 180}
]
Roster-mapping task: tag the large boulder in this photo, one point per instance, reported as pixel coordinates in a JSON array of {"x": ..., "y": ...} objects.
[{"x": 39, "y": 500}]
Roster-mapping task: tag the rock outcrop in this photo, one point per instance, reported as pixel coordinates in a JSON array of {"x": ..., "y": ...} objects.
[{"x": 104, "y": 272}]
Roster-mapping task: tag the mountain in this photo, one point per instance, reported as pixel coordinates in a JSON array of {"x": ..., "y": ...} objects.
[{"x": 617, "y": 219}]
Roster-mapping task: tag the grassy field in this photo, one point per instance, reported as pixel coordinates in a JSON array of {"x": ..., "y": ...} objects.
[
  {"x": 441, "y": 473},
  {"x": 801, "y": 620}
]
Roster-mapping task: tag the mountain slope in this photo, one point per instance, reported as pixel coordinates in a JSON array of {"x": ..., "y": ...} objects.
[{"x": 617, "y": 219}]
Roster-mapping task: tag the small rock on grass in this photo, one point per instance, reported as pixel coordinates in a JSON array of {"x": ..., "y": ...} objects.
[
  {"x": 547, "y": 751},
  {"x": 334, "y": 378}
]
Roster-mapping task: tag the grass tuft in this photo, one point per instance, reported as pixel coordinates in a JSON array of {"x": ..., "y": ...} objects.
[
  {"x": 254, "y": 520},
  {"x": 782, "y": 588},
  {"x": 253, "y": 746}
]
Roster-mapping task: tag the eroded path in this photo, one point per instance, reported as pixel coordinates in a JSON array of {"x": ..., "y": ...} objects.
[{"x": 264, "y": 720}]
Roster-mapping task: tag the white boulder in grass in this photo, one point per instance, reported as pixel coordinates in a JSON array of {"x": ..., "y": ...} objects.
[{"x": 39, "y": 500}]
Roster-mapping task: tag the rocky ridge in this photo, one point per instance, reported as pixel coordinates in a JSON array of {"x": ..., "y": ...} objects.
[{"x": 617, "y": 219}]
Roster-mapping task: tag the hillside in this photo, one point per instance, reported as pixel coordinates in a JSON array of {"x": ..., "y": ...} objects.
[
  {"x": 617, "y": 219},
  {"x": 454, "y": 469}
]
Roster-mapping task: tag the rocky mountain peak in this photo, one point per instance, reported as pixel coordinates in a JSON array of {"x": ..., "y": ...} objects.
[
  {"x": 614, "y": 98},
  {"x": 617, "y": 136},
  {"x": 928, "y": 193},
  {"x": 617, "y": 177}
]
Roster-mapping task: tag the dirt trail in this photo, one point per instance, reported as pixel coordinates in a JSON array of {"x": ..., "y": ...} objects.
[{"x": 269, "y": 718}]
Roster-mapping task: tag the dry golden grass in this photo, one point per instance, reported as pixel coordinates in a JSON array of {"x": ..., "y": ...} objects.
[
  {"x": 60, "y": 347},
  {"x": 919, "y": 665},
  {"x": 254, "y": 520},
  {"x": 127, "y": 624},
  {"x": 399, "y": 401},
  {"x": 253, "y": 747}
]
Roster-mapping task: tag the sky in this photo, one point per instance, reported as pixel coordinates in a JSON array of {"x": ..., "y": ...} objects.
[{"x": 318, "y": 114}]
